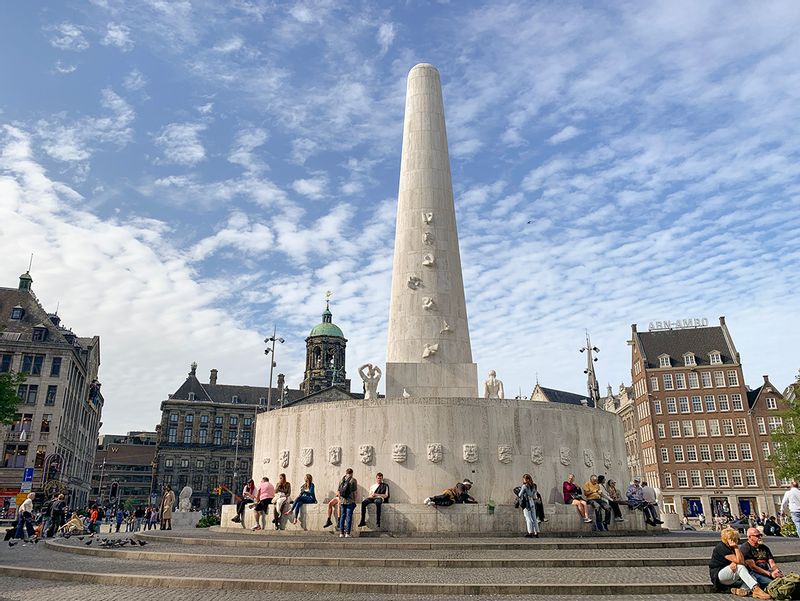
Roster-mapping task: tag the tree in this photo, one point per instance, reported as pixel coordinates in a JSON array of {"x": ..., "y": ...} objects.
[
  {"x": 786, "y": 457},
  {"x": 9, "y": 384}
]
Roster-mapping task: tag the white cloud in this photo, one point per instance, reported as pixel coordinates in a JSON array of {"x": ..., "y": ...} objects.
[
  {"x": 247, "y": 140},
  {"x": 64, "y": 68},
  {"x": 565, "y": 134},
  {"x": 68, "y": 36},
  {"x": 134, "y": 81},
  {"x": 118, "y": 35},
  {"x": 180, "y": 143},
  {"x": 230, "y": 45},
  {"x": 314, "y": 187},
  {"x": 205, "y": 109},
  {"x": 385, "y": 36}
]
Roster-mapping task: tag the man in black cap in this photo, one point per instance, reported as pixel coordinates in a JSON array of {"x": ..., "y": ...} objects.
[{"x": 458, "y": 494}]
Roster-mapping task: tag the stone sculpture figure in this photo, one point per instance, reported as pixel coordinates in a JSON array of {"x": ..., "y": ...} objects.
[
  {"x": 504, "y": 453},
  {"x": 371, "y": 375},
  {"x": 185, "y": 502},
  {"x": 470, "y": 453},
  {"x": 428, "y": 260},
  {"x": 414, "y": 282},
  {"x": 307, "y": 456},
  {"x": 435, "y": 452},
  {"x": 428, "y": 238},
  {"x": 365, "y": 452},
  {"x": 445, "y": 328},
  {"x": 284, "y": 458},
  {"x": 537, "y": 455},
  {"x": 265, "y": 460},
  {"x": 427, "y": 303},
  {"x": 492, "y": 387},
  {"x": 565, "y": 455},
  {"x": 406, "y": 394},
  {"x": 427, "y": 217},
  {"x": 588, "y": 457},
  {"x": 399, "y": 452},
  {"x": 430, "y": 350},
  {"x": 334, "y": 455},
  {"x": 607, "y": 460}
]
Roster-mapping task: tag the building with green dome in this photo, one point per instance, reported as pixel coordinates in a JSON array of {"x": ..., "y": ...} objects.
[{"x": 325, "y": 356}]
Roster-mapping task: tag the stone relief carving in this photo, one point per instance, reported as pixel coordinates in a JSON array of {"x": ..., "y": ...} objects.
[
  {"x": 371, "y": 375},
  {"x": 565, "y": 455},
  {"x": 537, "y": 454},
  {"x": 366, "y": 452},
  {"x": 284, "y": 458},
  {"x": 414, "y": 282},
  {"x": 445, "y": 328},
  {"x": 428, "y": 260},
  {"x": 307, "y": 456},
  {"x": 406, "y": 394},
  {"x": 427, "y": 217},
  {"x": 504, "y": 453},
  {"x": 588, "y": 457},
  {"x": 335, "y": 455},
  {"x": 430, "y": 350},
  {"x": 428, "y": 238},
  {"x": 435, "y": 452},
  {"x": 265, "y": 460},
  {"x": 399, "y": 452},
  {"x": 428, "y": 303},
  {"x": 607, "y": 460},
  {"x": 492, "y": 387},
  {"x": 470, "y": 453}
]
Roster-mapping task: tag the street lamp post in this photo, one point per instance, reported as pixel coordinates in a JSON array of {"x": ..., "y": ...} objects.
[
  {"x": 272, "y": 339},
  {"x": 236, "y": 462},
  {"x": 100, "y": 485}
]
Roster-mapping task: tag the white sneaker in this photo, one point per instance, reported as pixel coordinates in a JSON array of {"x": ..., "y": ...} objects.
[
  {"x": 428, "y": 501},
  {"x": 619, "y": 519},
  {"x": 341, "y": 535},
  {"x": 347, "y": 536},
  {"x": 587, "y": 521}
]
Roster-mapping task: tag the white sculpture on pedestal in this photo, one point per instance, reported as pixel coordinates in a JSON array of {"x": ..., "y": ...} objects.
[
  {"x": 185, "y": 502},
  {"x": 492, "y": 387},
  {"x": 371, "y": 379}
]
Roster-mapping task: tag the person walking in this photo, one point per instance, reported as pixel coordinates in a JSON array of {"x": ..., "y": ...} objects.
[
  {"x": 347, "y": 488},
  {"x": 527, "y": 496},
  {"x": 25, "y": 520},
  {"x": 57, "y": 510},
  {"x": 119, "y": 518},
  {"x": 791, "y": 503}
]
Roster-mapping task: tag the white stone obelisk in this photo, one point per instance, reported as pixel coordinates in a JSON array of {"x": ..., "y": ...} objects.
[{"x": 429, "y": 353}]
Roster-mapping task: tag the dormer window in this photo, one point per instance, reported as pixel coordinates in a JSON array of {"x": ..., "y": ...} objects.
[
  {"x": 234, "y": 399},
  {"x": 262, "y": 400},
  {"x": 17, "y": 312},
  {"x": 688, "y": 360},
  {"x": 663, "y": 361},
  {"x": 39, "y": 333},
  {"x": 715, "y": 358},
  {"x": 191, "y": 396}
]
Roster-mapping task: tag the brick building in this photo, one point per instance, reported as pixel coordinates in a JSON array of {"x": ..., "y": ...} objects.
[
  {"x": 703, "y": 434},
  {"x": 58, "y": 418},
  {"x": 123, "y": 467}
]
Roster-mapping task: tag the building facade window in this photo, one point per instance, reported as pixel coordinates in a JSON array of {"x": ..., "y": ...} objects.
[
  {"x": 708, "y": 478},
  {"x": 217, "y": 437},
  {"x": 694, "y": 381},
  {"x": 705, "y": 378},
  {"x": 683, "y": 480},
  {"x": 705, "y": 452},
  {"x": 697, "y": 404},
  {"x": 218, "y": 420},
  {"x": 172, "y": 435},
  {"x": 741, "y": 426},
  {"x": 168, "y": 463},
  {"x": 688, "y": 429},
  {"x": 700, "y": 427},
  {"x": 234, "y": 420},
  {"x": 202, "y": 436},
  {"x": 28, "y": 393},
  {"x": 677, "y": 453},
  {"x": 727, "y": 427},
  {"x": 672, "y": 406},
  {"x": 675, "y": 429},
  {"x": 55, "y": 367},
  {"x": 688, "y": 359},
  {"x": 713, "y": 427},
  {"x": 733, "y": 378},
  {"x": 50, "y": 398},
  {"x": 719, "y": 453},
  {"x": 200, "y": 464},
  {"x": 771, "y": 480},
  {"x": 695, "y": 476},
  {"x": 714, "y": 358},
  {"x": 762, "y": 425},
  {"x": 184, "y": 463},
  {"x": 203, "y": 420},
  {"x": 173, "y": 418},
  {"x": 663, "y": 361},
  {"x": 661, "y": 430},
  {"x": 723, "y": 402},
  {"x": 187, "y": 436},
  {"x": 719, "y": 379},
  {"x": 736, "y": 402},
  {"x": 711, "y": 403},
  {"x": 772, "y": 404},
  {"x": 653, "y": 383},
  {"x": 736, "y": 478},
  {"x": 745, "y": 451},
  {"x": 733, "y": 452},
  {"x": 722, "y": 478},
  {"x": 691, "y": 453},
  {"x": 765, "y": 450},
  {"x": 680, "y": 381},
  {"x": 657, "y": 406},
  {"x": 667, "y": 480},
  {"x": 668, "y": 383},
  {"x": 774, "y": 423},
  {"x": 32, "y": 364},
  {"x": 188, "y": 418},
  {"x": 684, "y": 404}
]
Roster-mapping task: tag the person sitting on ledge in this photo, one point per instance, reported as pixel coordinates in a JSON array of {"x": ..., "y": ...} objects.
[
  {"x": 458, "y": 494},
  {"x": 307, "y": 495},
  {"x": 248, "y": 496},
  {"x": 602, "y": 511},
  {"x": 727, "y": 568},
  {"x": 281, "y": 505},
  {"x": 573, "y": 495},
  {"x": 333, "y": 506},
  {"x": 613, "y": 498},
  {"x": 771, "y": 527},
  {"x": 264, "y": 495},
  {"x": 378, "y": 494},
  {"x": 651, "y": 505}
]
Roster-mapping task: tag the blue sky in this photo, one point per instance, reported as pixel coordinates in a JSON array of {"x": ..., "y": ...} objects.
[{"x": 188, "y": 174}]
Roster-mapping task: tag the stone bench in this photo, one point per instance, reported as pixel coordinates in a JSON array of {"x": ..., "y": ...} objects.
[{"x": 418, "y": 519}]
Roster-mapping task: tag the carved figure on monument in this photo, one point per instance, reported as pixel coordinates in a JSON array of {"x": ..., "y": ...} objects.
[
  {"x": 365, "y": 452},
  {"x": 445, "y": 328},
  {"x": 537, "y": 455},
  {"x": 427, "y": 303},
  {"x": 284, "y": 458},
  {"x": 428, "y": 238},
  {"x": 265, "y": 460},
  {"x": 414, "y": 282},
  {"x": 428, "y": 260},
  {"x": 588, "y": 457},
  {"x": 470, "y": 453},
  {"x": 492, "y": 387},
  {"x": 427, "y": 217},
  {"x": 504, "y": 453},
  {"x": 435, "y": 452},
  {"x": 185, "y": 502},
  {"x": 406, "y": 394},
  {"x": 430, "y": 350},
  {"x": 307, "y": 456},
  {"x": 565, "y": 455},
  {"x": 371, "y": 375},
  {"x": 335, "y": 455},
  {"x": 607, "y": 460},
  {"x": 399, "y": 452}
]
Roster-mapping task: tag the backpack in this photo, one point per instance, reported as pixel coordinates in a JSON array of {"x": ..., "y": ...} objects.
[
  {"x": 344, "y": 487},
  {"x": 785, "y": 587}
]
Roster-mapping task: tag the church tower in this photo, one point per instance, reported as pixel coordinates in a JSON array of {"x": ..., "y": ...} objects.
[{"x": 325, "y": 356}]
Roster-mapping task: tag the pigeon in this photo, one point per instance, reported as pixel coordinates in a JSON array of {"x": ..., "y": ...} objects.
[
  {"x": 88, "y": 542},
  {"x": 36, "y": 541},
  {"x": 11, "y": 543},
  {"x": 81, "y": 537},
  {"x": 142, "y": 543}
]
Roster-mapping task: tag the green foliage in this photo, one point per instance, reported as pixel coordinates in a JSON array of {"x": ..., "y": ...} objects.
[
  {"x": 132, "y": 503},
  {"x": 8, "y": 396},
  {"x": 208, "y": 520},
  {"x": 786, "y": 456},
  {"x": 789, "y": 529}
]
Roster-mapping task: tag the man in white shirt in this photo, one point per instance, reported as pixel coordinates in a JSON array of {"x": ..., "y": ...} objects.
[
  {"x": 791, "y": 501},
  {"x": 25, "y": 520},
  {"x": 378, "y": 494},
  {"x": 651, "y": 505}
]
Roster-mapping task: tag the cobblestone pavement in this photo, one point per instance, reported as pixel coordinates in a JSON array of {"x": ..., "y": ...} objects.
[{"x": 23, "y": 589}]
